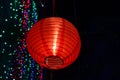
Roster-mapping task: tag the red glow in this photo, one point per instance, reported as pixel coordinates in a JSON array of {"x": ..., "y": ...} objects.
[{"x": 54, "y": 43}]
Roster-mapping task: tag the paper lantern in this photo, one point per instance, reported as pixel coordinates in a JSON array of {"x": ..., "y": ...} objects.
[{"x": 54, "y": 43}]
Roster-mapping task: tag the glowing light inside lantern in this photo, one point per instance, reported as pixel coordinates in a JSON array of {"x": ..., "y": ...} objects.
[{"x": 55, "y": 43}]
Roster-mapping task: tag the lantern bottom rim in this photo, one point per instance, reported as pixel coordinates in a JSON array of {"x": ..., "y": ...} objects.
[{"x": 53, "y": 62}]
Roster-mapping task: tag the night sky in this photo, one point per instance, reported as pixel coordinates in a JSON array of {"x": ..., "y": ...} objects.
[{"x": 98, "y": 24}]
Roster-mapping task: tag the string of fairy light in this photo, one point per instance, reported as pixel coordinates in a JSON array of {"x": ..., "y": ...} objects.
[{"x": 21, "y": 16}]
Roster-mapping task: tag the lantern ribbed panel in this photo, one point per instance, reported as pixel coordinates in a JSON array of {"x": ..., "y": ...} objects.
[{"x": 53, "y": 43}]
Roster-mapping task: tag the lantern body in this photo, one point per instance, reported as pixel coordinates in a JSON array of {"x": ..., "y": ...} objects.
[{"x": 54, "y": 43}]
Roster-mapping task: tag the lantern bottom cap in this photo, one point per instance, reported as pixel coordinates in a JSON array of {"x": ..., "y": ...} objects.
[{"x": 53, "y": 62}]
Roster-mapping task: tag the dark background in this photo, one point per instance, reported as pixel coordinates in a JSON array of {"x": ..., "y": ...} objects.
[{"x": 98, "y": 24}]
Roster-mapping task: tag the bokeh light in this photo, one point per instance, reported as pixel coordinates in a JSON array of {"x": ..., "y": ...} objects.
[{"x": 19, "y": 18}]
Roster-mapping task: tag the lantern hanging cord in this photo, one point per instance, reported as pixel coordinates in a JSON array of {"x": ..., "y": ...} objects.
[
  {"x": 51, "y": 75},
  {"x": 53, "y": 7},
  {"x": 75, "y": 10}
]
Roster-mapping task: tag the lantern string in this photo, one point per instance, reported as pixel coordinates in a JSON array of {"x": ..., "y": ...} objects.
[
  {"x": 53, "y": 8},
  {"x": 51, "y": 75},
  {"x": 75, "y": 11}
]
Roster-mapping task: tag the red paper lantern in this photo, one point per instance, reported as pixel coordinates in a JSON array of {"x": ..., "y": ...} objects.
[{"x": 54, "y": 43}]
